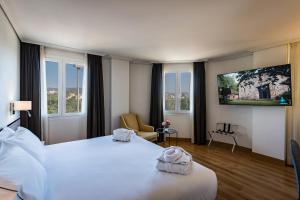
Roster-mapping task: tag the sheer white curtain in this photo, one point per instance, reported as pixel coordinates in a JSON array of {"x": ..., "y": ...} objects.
[
  {"x": 191, "y": 114},
  {"x": 44, "y": 110},
  {"x": 84, "y": 89},
  {"x": 84, "y": 99},
  {"x": 293, "y": 113}
]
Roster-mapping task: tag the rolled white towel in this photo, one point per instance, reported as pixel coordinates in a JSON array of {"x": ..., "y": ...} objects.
[
  {"x": 122, "y": 130},
  {"x": 174, "y": 168},
  {"x": 175, "y": 155},
  {"x": 122, "y": 135}
]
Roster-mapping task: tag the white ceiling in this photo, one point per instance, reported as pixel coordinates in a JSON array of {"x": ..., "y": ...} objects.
[{"x": 157, "y": 30}]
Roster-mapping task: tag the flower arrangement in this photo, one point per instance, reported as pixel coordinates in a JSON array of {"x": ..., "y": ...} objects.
[{"x": 166, "y": 123}]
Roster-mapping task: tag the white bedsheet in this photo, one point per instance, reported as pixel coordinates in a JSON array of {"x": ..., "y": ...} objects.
[{"x": 99, "y": 168}]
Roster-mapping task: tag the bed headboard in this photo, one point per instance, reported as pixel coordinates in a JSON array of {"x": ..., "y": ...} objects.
[{"x": 14, "y": 125}]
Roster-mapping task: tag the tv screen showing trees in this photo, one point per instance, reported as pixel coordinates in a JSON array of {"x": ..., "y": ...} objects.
[{"x": 268, "y": 86}]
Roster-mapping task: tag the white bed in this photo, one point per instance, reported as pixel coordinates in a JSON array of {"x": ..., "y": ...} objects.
[{"x": 102, "y": 169}]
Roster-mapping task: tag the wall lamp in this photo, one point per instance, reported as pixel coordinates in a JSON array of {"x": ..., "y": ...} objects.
[{"x": 21, "y": 106}]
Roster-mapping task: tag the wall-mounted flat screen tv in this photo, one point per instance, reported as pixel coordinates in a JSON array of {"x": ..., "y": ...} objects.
[{"x": 268, "y": 86}]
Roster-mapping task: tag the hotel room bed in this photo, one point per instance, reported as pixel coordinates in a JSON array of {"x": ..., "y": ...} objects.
[{"x": 102, "y": 169}]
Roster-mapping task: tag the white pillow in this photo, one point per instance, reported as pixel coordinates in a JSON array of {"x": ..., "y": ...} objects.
[
  {"x": 6, "y": 133},
  {"x": 29, "y": 142},
  {"x": 19, "y": 171}
]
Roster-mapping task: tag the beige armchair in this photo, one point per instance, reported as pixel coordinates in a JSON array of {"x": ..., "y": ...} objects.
[{"x": 132, "y": 121}]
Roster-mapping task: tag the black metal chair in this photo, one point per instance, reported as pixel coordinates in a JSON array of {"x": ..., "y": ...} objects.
[{"x": 296, "y": 162}]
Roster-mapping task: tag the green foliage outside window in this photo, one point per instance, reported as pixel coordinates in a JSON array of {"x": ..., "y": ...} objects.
[
  {"x": 52, "y": 99},
  {"x": 185, "y": 103},
  {"x": 170, "y": 104},
  {"x": 73, "y": 105}
]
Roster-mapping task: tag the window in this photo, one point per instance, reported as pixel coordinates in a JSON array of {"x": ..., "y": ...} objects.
[
  {"x": 185, "y": 84},
  {"x": 74, "y": 81},
  {"x": 52, "y": 86},
  {"x": 170, "y": 91},
  {"x": 177, "y": 91},
  {"x": 65, "y": 84}
]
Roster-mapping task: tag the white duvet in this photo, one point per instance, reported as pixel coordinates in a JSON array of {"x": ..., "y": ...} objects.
[{"x": 99, "y": 168}]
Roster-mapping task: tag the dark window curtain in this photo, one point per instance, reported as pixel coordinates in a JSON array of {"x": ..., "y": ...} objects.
[
  {"x": 156, "y": 104},
  {"x": 30, "y": 87},
  {"x": 199, "y": 103},
  {"x": 95, "y": 111}
]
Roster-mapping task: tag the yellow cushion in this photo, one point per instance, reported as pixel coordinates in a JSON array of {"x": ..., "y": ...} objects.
[
  {"x": 148, "y": 135},
  {"x": 131, "y": 121}
]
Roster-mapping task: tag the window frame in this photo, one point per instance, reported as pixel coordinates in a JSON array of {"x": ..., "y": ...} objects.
[
  {"x": 59, "y": 85},
  {"x": 177, "y": 92},
  {"x": 62, "y": 61},
  {"x": 164, "y": 91},
  {"x": 180, "y": 92},
  {"x": 64, "y": 101}
]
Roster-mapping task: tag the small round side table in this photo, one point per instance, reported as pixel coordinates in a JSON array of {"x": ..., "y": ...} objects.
[{"x": 168, "y": 131}]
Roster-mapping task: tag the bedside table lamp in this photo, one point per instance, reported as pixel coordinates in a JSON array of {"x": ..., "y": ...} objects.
[{"x": 21, "y": 106}]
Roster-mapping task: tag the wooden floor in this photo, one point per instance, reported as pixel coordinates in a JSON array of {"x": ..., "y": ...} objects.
[{"x": 243, "y": 174}]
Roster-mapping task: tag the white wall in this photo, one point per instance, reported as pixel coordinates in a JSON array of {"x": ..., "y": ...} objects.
[
  {"x": 64, "y": 129},
  {"x": 106, "y": 66},
  {"x": 182, "y": 123},
  {"x": 240, "y": 115},
  {"x": 269, "y": 122},
  {"x": 9, "y": 70},
  {"x": 140, "y": 90},
  {"x": 64, "y": 54},
  {"x": 263, "y": 128},
  {"x": 119, "y": 90}
]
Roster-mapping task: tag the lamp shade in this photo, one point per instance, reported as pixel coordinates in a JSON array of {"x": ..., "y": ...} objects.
[{"x": 22, "y": 105}]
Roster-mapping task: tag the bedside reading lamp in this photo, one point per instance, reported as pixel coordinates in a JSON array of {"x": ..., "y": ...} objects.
[{"x": 21, "y": 106}]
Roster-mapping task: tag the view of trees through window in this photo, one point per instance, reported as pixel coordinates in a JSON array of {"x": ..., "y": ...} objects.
[
  {"x": 177, "y": 91},
  {"x": 52, "y": 86},
  {"x": 185, "y": 81},
  {"x": 73, "y": 82},
  {"x": 74, "y": 79},
  {"x": 170, "y": 91}
]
